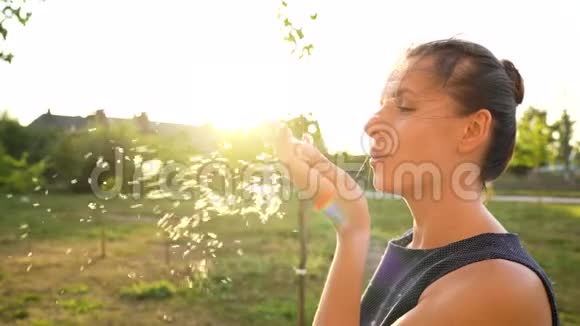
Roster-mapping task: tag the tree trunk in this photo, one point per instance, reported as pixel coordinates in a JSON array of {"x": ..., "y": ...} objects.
[{"x": 302, "y": 265}]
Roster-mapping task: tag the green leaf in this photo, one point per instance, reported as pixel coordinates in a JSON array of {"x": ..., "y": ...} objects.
[
  {"x": 8, "y": 12},
  {"x": 287, "y": 22},
  {"x": 3, "y": 31},
  {"x": 22, "y": 19},
  {"x": 284, "y": 4},
  {"x": 6, "y": 57},
  {"x": 290, "y": 38},
  {"x": 308, "y": 49},
  {"x": 313, "y": 17},
  {"x": 299, "y": 33}
]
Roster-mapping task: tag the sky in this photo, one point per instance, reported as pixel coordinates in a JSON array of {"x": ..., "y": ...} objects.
[{"x": 225, "y": 62}]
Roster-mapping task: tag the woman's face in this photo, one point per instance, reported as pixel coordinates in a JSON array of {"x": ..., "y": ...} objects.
[{"x": 415, "y": 133}]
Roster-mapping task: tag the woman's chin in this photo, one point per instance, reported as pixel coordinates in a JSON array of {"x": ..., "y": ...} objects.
[
  {"x": 379, "y": 183},
  {"x": 383, "y": 186}
]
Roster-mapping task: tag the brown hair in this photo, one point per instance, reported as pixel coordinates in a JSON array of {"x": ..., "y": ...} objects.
[{"x": 476, "y": 79}]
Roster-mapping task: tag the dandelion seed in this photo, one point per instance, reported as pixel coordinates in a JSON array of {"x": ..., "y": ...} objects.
[
  {"x": 189, "y": 282},
  {"x": 23, "y": 226},
  {"x": 92, "y": 205},
  {"x": 30, "y": 254},
  {"x": 46, "y": 192},
  {"x": 87, "y": 155},
  {"x": 212, "y": 235},
  {"x": 9, "y": 196},
  {"x": 82, "y": 268},
  {"x": 37, "y": 188},
  {"x": 74, "y": 181},
  {"x": 240, "y": 252},
  {"x": 136, "y": 206},
  {"x": 92, "y": 129},
  {"x": 36, "y": 204},
  {"x": 28, "y": 268},
  {"x": 68, "y": 251}
]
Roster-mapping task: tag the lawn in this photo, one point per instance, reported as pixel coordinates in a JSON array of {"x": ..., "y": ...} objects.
[
  {"x": 52, "y": 272},
  {"x": 540, "y": 193}
]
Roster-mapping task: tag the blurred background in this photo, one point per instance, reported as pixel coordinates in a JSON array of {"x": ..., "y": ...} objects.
[{"x": 135, "y": 180}]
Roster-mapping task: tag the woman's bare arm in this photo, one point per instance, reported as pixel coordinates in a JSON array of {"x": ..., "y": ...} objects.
[{"x": 340, "y": 300}]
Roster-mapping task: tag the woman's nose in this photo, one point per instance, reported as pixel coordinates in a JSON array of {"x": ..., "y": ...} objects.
[{"x": 372, "y": 123}]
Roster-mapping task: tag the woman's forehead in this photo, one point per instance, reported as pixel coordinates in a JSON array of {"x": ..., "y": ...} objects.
[{"x": 415, "y": 75}]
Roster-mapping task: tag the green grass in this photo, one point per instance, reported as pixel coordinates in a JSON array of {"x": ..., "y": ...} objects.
[
  {"x": 80, "y": 306},
  {"x": 41, "y": 322},
  {"x": 16, "y": 307},
  {"x": 258, "y": 287},
  {"x": 544, "y": 193},
  {"x": 153, "y": 290},
  {"x": 74, "y": 289}
]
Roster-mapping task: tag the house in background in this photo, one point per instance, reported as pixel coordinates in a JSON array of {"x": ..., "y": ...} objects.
[
  {"x": 61, "y": 122},
  {"x": 203, "y": 137}
]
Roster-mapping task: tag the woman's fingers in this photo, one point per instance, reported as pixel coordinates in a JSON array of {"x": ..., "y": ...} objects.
[
  {"x": 346, "y": 186},
  {"x": 292, "y": 152}
]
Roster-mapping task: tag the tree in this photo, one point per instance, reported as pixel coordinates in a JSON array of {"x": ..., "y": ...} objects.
[
  {"x": 534, "y": 142},
  {"x": 564, "y": 128},
  {"x": 22, "y": 155},
  {"x": 307, "y": 124},
  {"x": 13, "y": 136},
  {"x": 11, "y": 9},
  {"x": 576, "y": 155},
  {"x": 78, "y": 154}
]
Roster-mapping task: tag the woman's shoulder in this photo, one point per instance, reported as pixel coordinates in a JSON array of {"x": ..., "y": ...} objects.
[{"x": 508, "y": 289}]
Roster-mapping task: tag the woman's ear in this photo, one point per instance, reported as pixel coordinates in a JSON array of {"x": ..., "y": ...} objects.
[{"x": 476, "y": 132}]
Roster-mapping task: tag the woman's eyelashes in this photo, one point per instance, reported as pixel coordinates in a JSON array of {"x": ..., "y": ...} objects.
[
  {"x": 405, "y": 109},
  {"x": 404, "y": 106},
  {"x": 388, "y": 103}
]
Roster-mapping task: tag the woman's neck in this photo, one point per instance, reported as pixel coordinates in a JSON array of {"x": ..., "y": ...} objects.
[{"x": 450, "y": 218}]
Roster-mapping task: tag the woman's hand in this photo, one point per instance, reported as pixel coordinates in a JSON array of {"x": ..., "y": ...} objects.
[{"x": 316, "y": 177}]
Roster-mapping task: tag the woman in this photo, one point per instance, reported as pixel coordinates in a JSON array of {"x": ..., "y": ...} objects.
[{"x": 446, "y": 126}]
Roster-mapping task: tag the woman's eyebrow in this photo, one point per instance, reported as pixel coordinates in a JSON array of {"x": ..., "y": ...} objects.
[
  {"x": 403, "y": 90},
  {"x": 398, "y": 93}
]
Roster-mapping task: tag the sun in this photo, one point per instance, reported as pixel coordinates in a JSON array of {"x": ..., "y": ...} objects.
[{"x": 236, "y": 121}]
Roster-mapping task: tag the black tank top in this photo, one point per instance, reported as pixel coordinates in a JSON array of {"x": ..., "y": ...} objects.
[{"x": 404, "y": 273}]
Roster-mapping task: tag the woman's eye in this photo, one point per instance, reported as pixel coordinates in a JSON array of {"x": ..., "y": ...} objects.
[{"x": 405, "y": 109}]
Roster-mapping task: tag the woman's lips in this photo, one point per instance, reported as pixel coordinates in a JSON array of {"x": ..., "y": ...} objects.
[
  {"x": 374, "y": 158},
  {"x": 378, "y": 154}
]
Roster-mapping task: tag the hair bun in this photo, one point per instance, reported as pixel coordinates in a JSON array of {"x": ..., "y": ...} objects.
[{"x": 515, "y": 76}]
